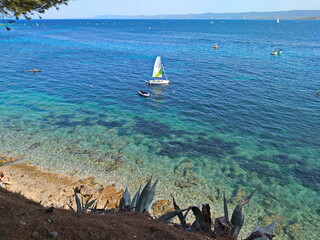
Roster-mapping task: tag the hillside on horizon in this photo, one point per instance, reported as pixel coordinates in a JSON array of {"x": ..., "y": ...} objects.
[{"x": 288, "y": 15}]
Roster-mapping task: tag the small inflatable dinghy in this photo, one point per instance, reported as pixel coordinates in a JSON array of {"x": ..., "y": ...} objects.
[{"x": 144, "y": 93}]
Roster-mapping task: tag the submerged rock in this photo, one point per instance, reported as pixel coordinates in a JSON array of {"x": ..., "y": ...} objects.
[
  {"x": 211, "y": 198},
  {"x": 73, "y": 149},
  {"x": 113, "y": 165},
  {"x": 139, "y": 161},
  {"x": 182, "y": 184},
  {"x": 294, "y": 231},
  {"x": 186, "y": 177},
  {"x": 34, "y": 146}
]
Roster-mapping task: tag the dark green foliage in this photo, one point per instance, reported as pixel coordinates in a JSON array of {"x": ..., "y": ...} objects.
[{"x": 17, "y": 8}]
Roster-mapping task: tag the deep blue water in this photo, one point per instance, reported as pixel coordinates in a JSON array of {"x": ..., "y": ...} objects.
[{"x": 245, "y": 118}]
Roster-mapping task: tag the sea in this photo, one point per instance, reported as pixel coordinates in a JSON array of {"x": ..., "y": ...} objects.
[{"x": 234, "y": 120}]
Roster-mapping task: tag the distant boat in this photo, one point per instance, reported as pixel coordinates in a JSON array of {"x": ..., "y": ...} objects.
[
  {"x": 158, "y": 69},
  {"x": 33, "y": 70},
  {"x": 216, "y": 46},
  {"x": 278, "y": 20},
  {"x": 277, "y": 52}
]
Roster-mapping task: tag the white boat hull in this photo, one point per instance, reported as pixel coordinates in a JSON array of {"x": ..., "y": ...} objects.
[{"x": 159, "y": 82}]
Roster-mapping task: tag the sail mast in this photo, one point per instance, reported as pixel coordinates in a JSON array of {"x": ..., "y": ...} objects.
[{"x": 164, "y": 71}]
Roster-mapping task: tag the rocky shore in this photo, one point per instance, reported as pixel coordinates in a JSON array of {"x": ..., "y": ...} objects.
[
  {"x": 57, "y": 190},
  {"x": 28, "y": 193}
]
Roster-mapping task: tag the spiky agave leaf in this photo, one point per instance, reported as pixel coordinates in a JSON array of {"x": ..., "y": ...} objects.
[
  {"x": 78, "y": 202},
  {"x": 144, "y": 196},
  {"x": 151, "y": 195},
  {"x": 94, "y": 208},
  {"x": 256, "y": 228},
  {"x": 135, "y": 200},
  {"x": 237, "y": 218},
  {"x": 180, "y": 215},
  {"x": 269, "y": 228},
  {"x": 265, "y": 233},
  {"x": 88, "y": 205},
  {"x": 71, "y": 208},
  {"x": 225, "y": 207},
  {"x": 170, "y": 215},
  {"x": 126, "y": 198},
  {"x": 82, "y": 204},
  {"x": 237, "y": 221}
]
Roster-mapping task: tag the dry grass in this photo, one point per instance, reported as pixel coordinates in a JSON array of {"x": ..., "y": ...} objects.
[{"x": 20, "y": 217}]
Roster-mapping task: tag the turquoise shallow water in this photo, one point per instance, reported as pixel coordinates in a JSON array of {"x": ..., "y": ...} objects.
[{"x": 234, "y": 119}]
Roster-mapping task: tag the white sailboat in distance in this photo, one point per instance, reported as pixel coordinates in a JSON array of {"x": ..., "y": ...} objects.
[
  {"x": 278, "y": 20},
  {"x": 158, "y": 70}
]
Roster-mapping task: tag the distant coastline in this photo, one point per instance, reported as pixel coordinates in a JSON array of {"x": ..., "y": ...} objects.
[{"x": 285, "y": 15}]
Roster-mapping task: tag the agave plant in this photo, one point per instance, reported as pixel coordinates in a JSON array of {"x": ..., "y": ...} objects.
[
  {"x": 202, "y": 220},
  {"x": 140, "y": 202},
  {"x": 222, "y": 227},
  {"x": 81, "y": 205}
]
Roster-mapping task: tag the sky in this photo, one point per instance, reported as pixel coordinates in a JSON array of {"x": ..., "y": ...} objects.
[{"x": 92, "y": 8}]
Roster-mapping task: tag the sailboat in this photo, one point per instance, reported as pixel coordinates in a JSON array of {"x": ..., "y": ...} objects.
[
  {"x": 158, "y": 70},
  {"x": 278, "y": 20}
]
